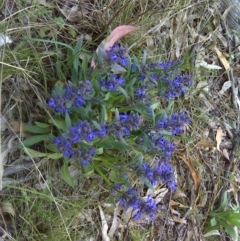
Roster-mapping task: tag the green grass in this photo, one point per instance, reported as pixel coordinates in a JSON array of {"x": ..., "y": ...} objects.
[{"x": 37, "y": 59}]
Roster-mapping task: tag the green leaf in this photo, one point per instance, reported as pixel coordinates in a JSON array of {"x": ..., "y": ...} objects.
[
  {"x": 76, "y": 52},
  {"x": 96, "y": 125},
  {"x": 99, "y": 151},
  {"x": 84, "y": 67},
  {"x": 52, "y": 147},
  {"x": 144, "y": 110},
  {"x": 32, "y": 153},
  {"x": 211, "y": 233},
  {"x": 155, "y": 105},
  {"x": 107, "y": 96},
  {"x": 213, "y": 222},
  {"x": 32, "y": 140},
  {"x": 111, "y": 144},
  {"x": 123, "y": 91},
  {"x": 117, "y": 69},
  {"x": 55, "y": 156},
  {"x": 234, "y": 218},
  {"x": 60, "y": 124},
  {"x": 103, "y": 115},
  {"x": 42, "y": 125},
  {"x": 37, "y": 129},
  {"x": 66, "y": 175},
  {"x": 68, "y": 120},
  {"x": 115, "y": 176},
  {"x": 229, "y": 229},
  {"x": 144, "y": 59}
]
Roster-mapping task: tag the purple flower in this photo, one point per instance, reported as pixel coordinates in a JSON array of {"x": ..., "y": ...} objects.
[
  {"x": 146, "y": 208},
  {"x": 149, "y": 173},
  {"x": 117, "y": 54},
  {"x": 127, "y": 123},
  {"x": 102, "y": 132},
  {"x": 113, "y": 82},
  {"x": 178, "y": 86},
  {"x": 81, "y": 131},
  {"x": 161, "y": 172},
  {"x": 141, "y": 94},
  {"x": 58, "y": 104},
  {"x": 165, "y": 173},
  {"x": 65, "y": 147},
  {"x": 174, "y": 123},
  {"x": 85, "y": 155}
]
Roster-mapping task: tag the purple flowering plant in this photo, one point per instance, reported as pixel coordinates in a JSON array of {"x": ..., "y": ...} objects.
[{"x": 113, "y": 118}]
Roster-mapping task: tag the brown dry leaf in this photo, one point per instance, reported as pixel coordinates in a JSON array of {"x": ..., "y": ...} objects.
[
  {"x": 7, "y": 208},
  {"x": 194, "y": 174},
  {"x": 204, "y": 143},
  {"x": 222, "y": 58},
  {"x": 16, "y": 125},
  {"x": 104, "y": 225},
  {"x": 219, "y": 137},
  {"x": 173, "y": 203},
  {"x": 178, "y": 193},
  {"x": 225, "y": 154},
  {"x": 179, "y": 220}
]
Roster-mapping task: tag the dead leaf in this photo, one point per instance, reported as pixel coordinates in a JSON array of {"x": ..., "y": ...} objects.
[
  {"x": 4, "y": 39},
  {"x": 225, "y": 87},
  {"x": 104, "y": 225},
  {"x": 179, "y": 220},
  {"x": 176, "y": 204},
  {"x": 194, "y": 174},
  {"x": 178, "y": 193},
  {"x": 225, "y": 153},
  {"x": 219, "y": 137},
  {"x": 204, "y": 143},
  {"x": 7, "y": 208},
  {"x": 222, "y": 58},
  {"x": 205, "y": 65}
]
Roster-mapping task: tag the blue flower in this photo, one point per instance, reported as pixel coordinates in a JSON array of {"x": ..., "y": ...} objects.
[
  {"x": 85, "y": 155},
  {"x": 127, "y": 123},
  {"x": 141, "y": 94},
  {"x": 65, "y": 147},
  {"x": 148, "y": 208},
  {"x": 113, "y": 82},
  {"x": 79, "y": 101},
  {"x": 102, "y": 132},
  {"x": 149, "y": 173},
  {"x": 58, "y": 104},
  {"x": 165, "y": 172},
  {"x": 117, "y": 54},
  {"x": 131, "y": 199},
  {"x": 174, "y": 123},
  {"x": 81, "y": 131}
]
